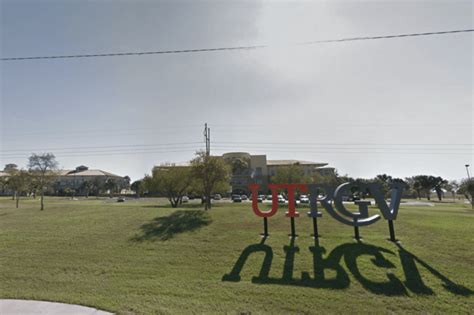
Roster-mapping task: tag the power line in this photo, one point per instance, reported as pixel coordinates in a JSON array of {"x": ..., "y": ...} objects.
[
  {"x": 247, "y": 145},
  {"x": 342, "y": 143},
  {"x": 104, "y": 146},
  {"x": 251, "y": 47},
  {"x": 118, "y": 152},
  {"x": 8, "y": 133},
  {"x": 398, "y": 154},
  {"x": 60, "y": 156}
]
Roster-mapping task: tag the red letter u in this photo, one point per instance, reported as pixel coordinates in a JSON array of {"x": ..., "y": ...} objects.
[{"x": 264, "y": 214}]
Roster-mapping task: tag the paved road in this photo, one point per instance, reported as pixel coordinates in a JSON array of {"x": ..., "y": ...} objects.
[{"x": 25, "y": 307}]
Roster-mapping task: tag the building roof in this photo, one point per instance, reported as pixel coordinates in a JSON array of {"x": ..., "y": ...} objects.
[
  {"x": 291, "y": 162},
  {"x": 2, "y": 174},
  {"x": 167, "y": 165},
  {"x": 87, "y": 173}
]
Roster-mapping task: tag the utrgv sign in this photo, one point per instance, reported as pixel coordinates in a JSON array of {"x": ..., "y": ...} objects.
[{"x": 332, "y": 201}]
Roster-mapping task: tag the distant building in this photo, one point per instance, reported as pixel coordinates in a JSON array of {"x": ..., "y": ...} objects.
[
  {"x": 248, "y": 169},
  {"x": 74, "y": 179}
]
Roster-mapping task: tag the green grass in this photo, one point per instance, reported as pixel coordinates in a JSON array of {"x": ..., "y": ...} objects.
[{"x": 145, "y": 258}]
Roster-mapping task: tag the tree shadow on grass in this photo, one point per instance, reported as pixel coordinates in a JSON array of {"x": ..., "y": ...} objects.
[
  {"x": 182, "y": 206},
  {"x": 164, "y": 228}
]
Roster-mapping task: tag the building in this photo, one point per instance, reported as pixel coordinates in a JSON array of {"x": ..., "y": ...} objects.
[
  {"x": 75, "y": 179},
  {"x": 248, "y": 169}
]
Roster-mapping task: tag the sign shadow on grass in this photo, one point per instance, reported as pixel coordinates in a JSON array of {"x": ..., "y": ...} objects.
[
  {"x": 350, "y": 252},
  {"x": 165, "y": 228}
]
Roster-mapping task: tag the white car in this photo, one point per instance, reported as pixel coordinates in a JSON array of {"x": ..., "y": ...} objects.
[
  {"x": 304, "y": 199},
  {"x": 281, "y": 199}
]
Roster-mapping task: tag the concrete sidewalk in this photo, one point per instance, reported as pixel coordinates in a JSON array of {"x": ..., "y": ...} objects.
[{"x": 26, "y": 307}]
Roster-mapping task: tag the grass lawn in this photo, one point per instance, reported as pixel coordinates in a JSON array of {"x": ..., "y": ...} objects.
[{"x": 143, "y": 257}]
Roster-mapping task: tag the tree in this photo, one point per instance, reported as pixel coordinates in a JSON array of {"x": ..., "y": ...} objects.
[
  {"x": 467, "y": 189},
  {"x": 211, "y": 173},
  {"x": 453, "y": 187},
  {"x": 240, "y": 166},
  {"x": 422, "y": 183},
  {"x": 111, "y": 185},
  {"x": 136, "y": 186},
  {"x": 438, "y": 184},
  {"x": 414, "y": 183},
  {"x": 86, "y": 187},
  {"x": 384, "y": 180},
  {"x": 10, "y": 169},
  {"x": 125, "y": 184},
  {"x": 171, "y": 181},
  {"x": 327, "y": 179},
  {"x": 3, "y": 183},
  {"x": 43, "y": 168},
  {"x": 292, "y": 174},
  {"x": 425, "y": 183},
  {"x": 97, "y": 186},
  {"x": 19, "y": 183}
]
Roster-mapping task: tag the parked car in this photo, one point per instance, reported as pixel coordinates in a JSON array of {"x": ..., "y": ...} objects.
[
  {"x": 185, "y": 199},
  {"x": 217, "y": 197},
  {"x": 304, "y": 199},
  {"x": 120, "y": 199},
  {"x": 269, "y": 197},
  {"x": 244, "y": 197},
  {"x": 281, "y": 199},
  {"x": 261, "y": 198},
  {"x": 236, "y": 198},
  {"x": 354, "y": 198}
]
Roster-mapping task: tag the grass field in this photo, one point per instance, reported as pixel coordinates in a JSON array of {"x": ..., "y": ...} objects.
[{"x": 142, "y": 257}]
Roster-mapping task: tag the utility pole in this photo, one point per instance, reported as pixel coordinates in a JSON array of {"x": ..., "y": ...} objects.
[{"x": 207, "y": 139}]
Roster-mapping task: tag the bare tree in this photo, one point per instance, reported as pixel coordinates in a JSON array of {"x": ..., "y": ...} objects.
[{"x": 43, "y": 168}]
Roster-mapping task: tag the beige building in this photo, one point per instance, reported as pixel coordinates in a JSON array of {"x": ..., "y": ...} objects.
[
  {"x": 257, "y": 169},
  {"x": 75, "y": 179},
  {"x": 248, "y": 169}
]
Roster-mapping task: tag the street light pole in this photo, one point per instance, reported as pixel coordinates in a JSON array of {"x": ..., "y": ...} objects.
[{"x": 467, "y": 170}]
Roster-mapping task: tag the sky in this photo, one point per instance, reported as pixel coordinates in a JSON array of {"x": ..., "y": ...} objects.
[{"x": 398, "y": 106}]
